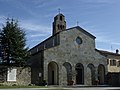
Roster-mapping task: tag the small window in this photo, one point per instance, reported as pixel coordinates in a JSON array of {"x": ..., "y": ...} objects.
[
  {"x": 61, "y": 27},
  {"x": 78, "y": 40},
  {"x": 56, "y": 18},
  {"x": 107, "y": 61},
  {"x": 113, "y": 62},
  {"x": 58, "y": 26},
  {"x": 118, "y": 64}
]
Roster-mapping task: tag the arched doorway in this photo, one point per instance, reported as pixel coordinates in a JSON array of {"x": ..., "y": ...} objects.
[
  {"x": 52, "y": 73},
  {"x": 79, "y": 73},
  {"x": 101, "y": 74},
  {"x": 69, "y": 71},
  {"x": 92, "y": 69}
]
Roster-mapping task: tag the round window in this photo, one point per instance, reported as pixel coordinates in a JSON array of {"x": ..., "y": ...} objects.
[{"x": 78, "y": 40}]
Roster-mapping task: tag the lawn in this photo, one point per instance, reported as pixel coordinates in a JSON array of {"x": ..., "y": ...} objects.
[
  {"x": 22, "y": 87},
  {"x": 8, "y": 87}
]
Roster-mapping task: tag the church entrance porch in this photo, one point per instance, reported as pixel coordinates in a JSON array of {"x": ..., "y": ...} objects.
[
  {"x": 79, "y": 73},
  {"x": 52, "y": 73}
]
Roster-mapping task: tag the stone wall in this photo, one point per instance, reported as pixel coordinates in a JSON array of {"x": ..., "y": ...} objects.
[
  {"x": 112, "y": 68},
  {"x": 23, "y": 76},
  {"x": 36, "y": 62}
]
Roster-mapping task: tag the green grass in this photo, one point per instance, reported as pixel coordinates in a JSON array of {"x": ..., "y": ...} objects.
[
  {"x": 22, "y": 87},
  {"x": 7, "y": 87}
]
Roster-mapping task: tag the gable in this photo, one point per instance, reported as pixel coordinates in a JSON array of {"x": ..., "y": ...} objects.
[
  {"x": 48, "y": 43},
  {"x": 77, "y": 39},
  {"x": 83, "y": 31}
]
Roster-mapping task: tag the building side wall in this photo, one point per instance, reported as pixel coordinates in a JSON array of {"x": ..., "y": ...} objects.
[
  {"x": 48, "y": 43},
  {"x": 113, "y": 76},
  {"x": 113, "y": 68},
  {"x": 36, "y": 63}
]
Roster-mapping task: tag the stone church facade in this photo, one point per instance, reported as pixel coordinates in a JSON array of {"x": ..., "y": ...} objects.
[{"x": 69, "y": 55}]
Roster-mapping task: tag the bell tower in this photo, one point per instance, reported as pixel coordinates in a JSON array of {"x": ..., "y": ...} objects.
[{"x": 59, "y": 23}]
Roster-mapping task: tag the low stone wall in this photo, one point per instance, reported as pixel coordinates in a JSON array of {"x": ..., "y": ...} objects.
[{"x": 23, "y": 77}]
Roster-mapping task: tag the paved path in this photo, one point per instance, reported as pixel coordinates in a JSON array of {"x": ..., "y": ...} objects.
[{"x": 80, "y": 88}]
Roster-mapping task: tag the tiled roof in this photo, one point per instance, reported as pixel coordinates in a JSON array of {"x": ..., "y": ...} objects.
[{"x": 107, "y": 52}]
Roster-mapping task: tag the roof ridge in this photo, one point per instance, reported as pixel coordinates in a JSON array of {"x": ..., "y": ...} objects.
[
  {"x": 83, "y": 30},
  {"x": 107, "y": 52}
]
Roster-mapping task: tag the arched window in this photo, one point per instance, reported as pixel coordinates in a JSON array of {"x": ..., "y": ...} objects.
[
  {"x": 56, "y": 18},
  {"x": 61, "y": 27},
  {"x": 78, "y": 40},
  {"x": 61, "y": 18},
  {"x": 58, "y": 26},
  {"x": 107, "y": 61}
]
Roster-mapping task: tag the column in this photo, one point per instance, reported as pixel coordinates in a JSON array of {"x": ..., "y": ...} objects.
[
  {"x": 73, "y": 74},
  {"x": 96, "y": 75},
  {"x": 45, "y": 73},
  {"x": 62, "y": 75}
]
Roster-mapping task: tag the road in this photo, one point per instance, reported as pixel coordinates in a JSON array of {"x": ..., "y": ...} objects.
[{"x": 62, "y": 88}]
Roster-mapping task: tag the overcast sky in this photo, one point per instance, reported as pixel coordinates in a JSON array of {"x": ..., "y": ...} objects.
[{"x": 99, "y": 17}]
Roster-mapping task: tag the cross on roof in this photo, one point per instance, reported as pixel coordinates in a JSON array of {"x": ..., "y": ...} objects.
[
  {"x": 59, "y": 10},
  {"x": 77, "y": 23}
]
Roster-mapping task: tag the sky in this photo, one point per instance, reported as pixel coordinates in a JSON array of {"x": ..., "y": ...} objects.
[{"x": 101, "y": 18}]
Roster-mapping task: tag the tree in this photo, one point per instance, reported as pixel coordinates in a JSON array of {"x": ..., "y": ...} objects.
[{"x": 13, "y": 44}]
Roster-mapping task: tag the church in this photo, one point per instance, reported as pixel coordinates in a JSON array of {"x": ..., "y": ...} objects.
[{"x": 68, "y": 57}]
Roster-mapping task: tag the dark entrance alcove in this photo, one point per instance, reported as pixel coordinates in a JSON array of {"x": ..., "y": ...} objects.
[
  {"x": 53, "y": 73},
  {"x": 79, "y": 73}
]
